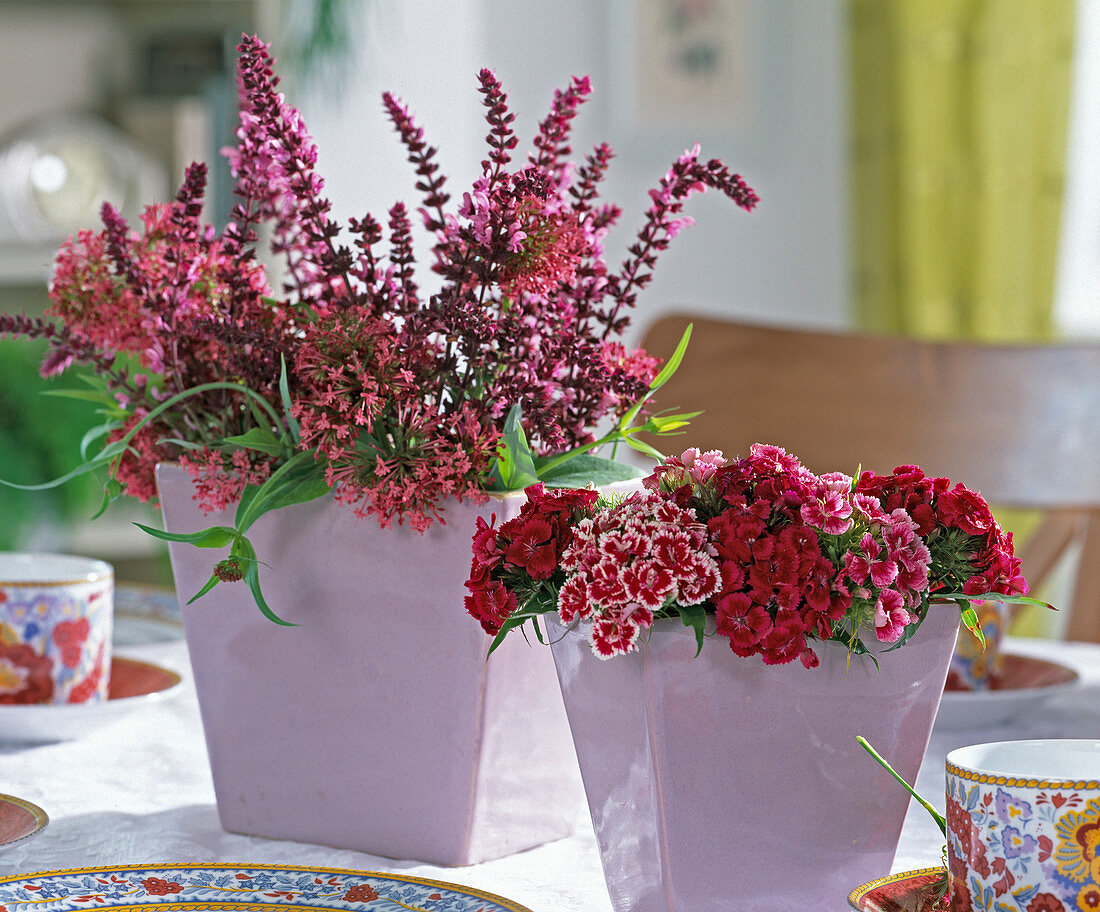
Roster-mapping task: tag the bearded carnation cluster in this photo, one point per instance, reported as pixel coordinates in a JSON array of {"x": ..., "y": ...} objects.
[
  {"x": 778, "y": 557},
  {"x": 523, "y": 553},
  {"x": 401, "y": 394},
  {"x": 628, "y": 562}
]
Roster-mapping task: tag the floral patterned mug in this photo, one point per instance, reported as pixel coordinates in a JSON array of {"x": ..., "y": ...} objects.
[
  {"x": 1023, "y": 826},
  {"x": 56, "y": 619}
]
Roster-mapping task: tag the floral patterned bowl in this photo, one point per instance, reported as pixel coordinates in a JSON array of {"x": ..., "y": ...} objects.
[{"x": 1023, "y": 821}]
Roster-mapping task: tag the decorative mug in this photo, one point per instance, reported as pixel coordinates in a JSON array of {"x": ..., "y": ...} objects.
[
  {"x": 1023, "y": 821},
  {"x": 56, "y": 619},
  {"x": 972, "y": 666}
]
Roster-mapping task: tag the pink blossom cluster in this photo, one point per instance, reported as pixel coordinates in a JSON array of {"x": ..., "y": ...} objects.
[
  {"x": 628, "y": 562},
  {"x": 402, "y": 395},
  {"x": 958, "y": 523},
  {"x": 523, "y": 553},
  {"x": 779, "y": 556},
  {"x": 159, "y": 311}
]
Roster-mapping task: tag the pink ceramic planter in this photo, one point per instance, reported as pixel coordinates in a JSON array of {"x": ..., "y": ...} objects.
[
  {"x": 376, "y": 724},
  {"x": 721, "y": 784}
]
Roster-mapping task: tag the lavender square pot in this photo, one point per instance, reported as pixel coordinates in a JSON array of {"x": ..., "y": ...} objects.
[
  {"x": 718, "y": 783},
  {"x": 376, "y": 724}
]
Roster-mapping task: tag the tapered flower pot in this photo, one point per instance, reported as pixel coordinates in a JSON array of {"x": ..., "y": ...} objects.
[
  {"x": 718, "y": 783},
  {"x": 376, "y": 723}
]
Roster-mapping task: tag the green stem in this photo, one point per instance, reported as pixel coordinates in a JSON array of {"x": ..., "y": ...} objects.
[{"x": 941, "y": 822}]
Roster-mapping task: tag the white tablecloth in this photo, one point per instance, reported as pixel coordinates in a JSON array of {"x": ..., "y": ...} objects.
[{"x": 139, "y": 791}]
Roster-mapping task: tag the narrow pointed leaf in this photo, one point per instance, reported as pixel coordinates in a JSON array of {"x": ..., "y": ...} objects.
[
  {"x": 284, "y": 396},
  {"x": 247, "y": 554},
  {"x": 213, "y": 537},
  {"x": 207, "y": 586},
  {"x": 258, "y": 438},
  {"x": 299, "y": 479}
]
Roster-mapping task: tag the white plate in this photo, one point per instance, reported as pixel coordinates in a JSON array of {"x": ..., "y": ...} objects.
[
  {"x": 1025, "y": 684},
  {"x": 133, "y": 684}
]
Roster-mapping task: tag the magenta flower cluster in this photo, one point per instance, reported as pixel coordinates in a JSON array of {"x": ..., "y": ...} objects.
[
  {"x": 779, "y": 556},
  {"x": 402, "y": 394}
]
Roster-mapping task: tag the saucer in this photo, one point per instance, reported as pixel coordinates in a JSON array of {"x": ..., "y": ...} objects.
[
  {"x": 133, "y": 684},
  {"x": 19, "y": 819},
  {"x": 907, "y": 892},
  {"x": 1024, "y": 684},
  {"x": 242, "y": 886}
]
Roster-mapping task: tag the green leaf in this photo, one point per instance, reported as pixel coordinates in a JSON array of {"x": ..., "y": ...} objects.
[
  {"x": 298, "y": 480},
  {"x": 284, "y": 395},
  {"x": 941, "y": 822},
  {"x": 93, "y": 434},
  {"x": 695, "y": 617},
  {"x": 514, "y": 468},
  {"x": 206, "y": 587},
  {"x": 971, "y": 622},
  {"x": 213, "y": 537},
  {"x": 673, "y": 363},
  {"x": 665, "y": 374},
  {"x": 992, "y": 597},
  {"x": 642, "y": 447},
  {"x": 509, "y": 625},
  {"x": 99, "y": 397},
  {"x": 243, "y": 549},
  {"x": 584, "y": 469},
  {"x": 182, "y": 444},
  {"x": 258, "y": 438}
]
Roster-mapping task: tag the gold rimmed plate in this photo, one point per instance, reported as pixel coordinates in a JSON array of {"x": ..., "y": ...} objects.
[
  {"x": 242, "y": 886},
  {"x": 19, "y": 819},
  {"x": 133, "y": 684},
  {"x": 910, "y": 891}
]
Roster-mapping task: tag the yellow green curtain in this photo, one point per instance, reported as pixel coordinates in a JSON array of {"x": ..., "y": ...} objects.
[{"x": 959, "y": 112}]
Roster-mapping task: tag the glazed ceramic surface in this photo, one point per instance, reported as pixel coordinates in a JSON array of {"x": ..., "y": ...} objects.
[
  {"x": 1023, "y": 823},
  {"x": 55, "y": 628},
  {"x": 233, "y": 886},
  {"x": 402, "y": 740},
  {"x": 19, "y": 819},
  {"x": 720, "y": 783},
  {"x": 911, "y": 891},
  {"x": 1023, "y": 685},
  {"x": 133, "y": 685}
]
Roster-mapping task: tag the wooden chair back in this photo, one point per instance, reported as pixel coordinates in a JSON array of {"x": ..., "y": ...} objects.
[{"x": 1020, "y": 424}]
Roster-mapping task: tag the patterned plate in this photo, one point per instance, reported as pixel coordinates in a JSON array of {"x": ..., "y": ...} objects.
[
  {"x": 241, "y": 887},
  {"x": 908, "y": 892},
  {"x": 19, "y": 819}
]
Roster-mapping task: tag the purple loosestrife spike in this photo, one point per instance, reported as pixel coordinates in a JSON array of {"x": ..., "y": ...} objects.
[
  {"x": 552, "y": 140},
  {"x": 420, "y": 155},
  {"x": 501, "y": 139}
]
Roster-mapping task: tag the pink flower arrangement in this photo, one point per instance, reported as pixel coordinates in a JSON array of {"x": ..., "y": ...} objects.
[
  {"x": 401, "y": 396},
  {"x": 395, "y": 398},
  {"x": 775, "y": 556}
]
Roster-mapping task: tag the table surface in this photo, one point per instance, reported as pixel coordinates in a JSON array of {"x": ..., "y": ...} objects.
[{"x": 139, "y": 791}]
